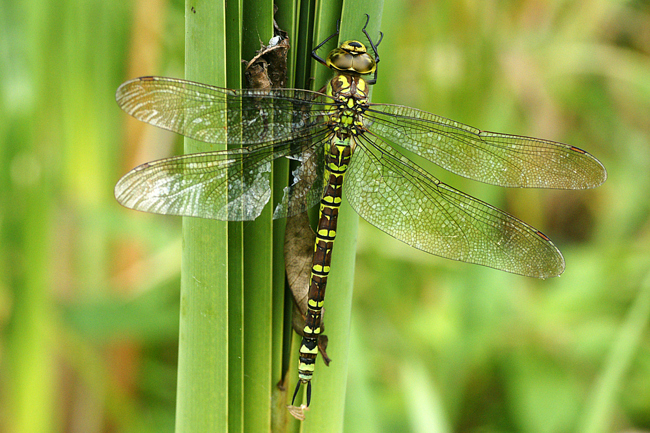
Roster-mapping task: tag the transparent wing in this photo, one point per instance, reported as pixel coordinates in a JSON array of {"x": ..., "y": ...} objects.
[
  {"x": 490, "y": 157},
  {"x": 231, "y": 185},
  {"x": 217, "y": 115},
  {"x": 307, "y": 181},
  {"x": 398, "y": 197}
]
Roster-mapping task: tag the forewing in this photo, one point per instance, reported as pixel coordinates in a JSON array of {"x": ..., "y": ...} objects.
[
  {"x": 218, "y": 115},
  {"x": 398, "y": 197},
  {"x": 490, "y": 157}
]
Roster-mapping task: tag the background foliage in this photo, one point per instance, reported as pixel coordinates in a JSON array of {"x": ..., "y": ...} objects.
[{"x": 89, "y": 291}]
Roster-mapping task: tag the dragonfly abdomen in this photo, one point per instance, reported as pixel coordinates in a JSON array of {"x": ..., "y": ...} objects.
[{"x": 338, "y": 159}]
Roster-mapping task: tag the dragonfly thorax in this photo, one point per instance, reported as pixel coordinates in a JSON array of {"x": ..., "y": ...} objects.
[
  {"x": 351, "y": 92},
  {"x": 351, "y": 56},
  {"x": 346, "y": 87}
]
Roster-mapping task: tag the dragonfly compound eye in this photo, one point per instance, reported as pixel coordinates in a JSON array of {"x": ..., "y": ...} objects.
[{"x": 351, "y": 56}]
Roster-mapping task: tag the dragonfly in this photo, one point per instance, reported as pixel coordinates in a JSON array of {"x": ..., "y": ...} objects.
[{"x": 344, "y": 142}]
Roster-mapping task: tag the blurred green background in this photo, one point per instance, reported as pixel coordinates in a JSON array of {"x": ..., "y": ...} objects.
[{"x": 89, "y": 290}]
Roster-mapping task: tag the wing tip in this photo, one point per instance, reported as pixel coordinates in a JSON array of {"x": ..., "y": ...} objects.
[{"x": 598, "y": 174}]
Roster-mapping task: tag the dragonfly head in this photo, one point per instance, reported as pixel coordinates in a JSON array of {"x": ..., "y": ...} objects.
[{"x": 351, "y": 56}]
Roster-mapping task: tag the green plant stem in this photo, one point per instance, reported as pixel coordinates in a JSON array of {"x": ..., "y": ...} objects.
[
  {"x": 257, "y": 24},
  {"x": 601, "y": 403},
  {"x": 203, "y": 375},
  {"x": 226, "y": 339}
]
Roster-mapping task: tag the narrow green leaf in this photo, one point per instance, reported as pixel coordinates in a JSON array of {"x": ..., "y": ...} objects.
[
  {"x": 257, "y": 28},
  {"x": 601, "y": 405},
  {"x": 203, "y": 375}
]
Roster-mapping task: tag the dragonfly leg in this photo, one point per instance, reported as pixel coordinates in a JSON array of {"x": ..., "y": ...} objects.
[
  {"x": 314, "y": 53},
  {"x": 374, "y": 48}
]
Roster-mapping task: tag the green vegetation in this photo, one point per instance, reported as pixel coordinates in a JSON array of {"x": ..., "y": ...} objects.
[{"x": 90, "y": 292}]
